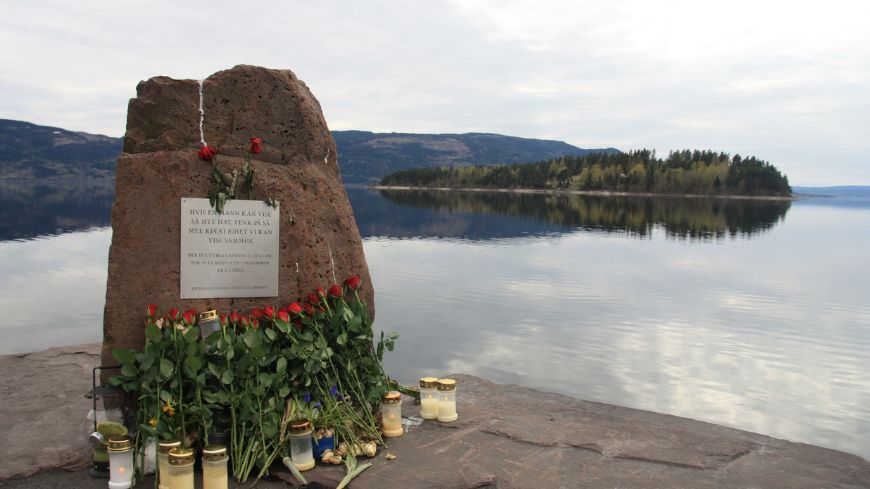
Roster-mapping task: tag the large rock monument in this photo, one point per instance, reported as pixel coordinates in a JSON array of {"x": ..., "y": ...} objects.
[{"x": 318, "y": 242}]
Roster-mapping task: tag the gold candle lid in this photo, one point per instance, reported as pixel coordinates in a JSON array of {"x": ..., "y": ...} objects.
[
  {"x": 208, "y": 315},
  {"x": 214, "y": 451},
  {"x": 181, "y": 456},
  {"x": 166, "y": 445},
  {"x": 300, "y": 427},
  {"x": 392, "y": 398},
  {"x": 446, "y": 385},
  {"x": 428, "y": 382},
  {"x": 119, "y": 443}
]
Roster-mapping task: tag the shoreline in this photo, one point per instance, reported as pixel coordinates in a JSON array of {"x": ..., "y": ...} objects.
[
  {"x": 542, "y": 440},
  {"x": 595, "y": 193}
]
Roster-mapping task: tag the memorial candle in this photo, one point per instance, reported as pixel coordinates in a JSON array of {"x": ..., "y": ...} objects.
[
  {"x": 391, "y": 414},
  {"x": 163, "y": 449},
  {"x": 447, "y": 400},
  {"x": 181, "y": 468},
  {"x": 120, "y": 462},
  {"x": 214, "y": 467},
  {"x": 428, "y": 398}
]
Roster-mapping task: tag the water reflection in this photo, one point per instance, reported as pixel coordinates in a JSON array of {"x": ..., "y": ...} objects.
[
  {"x": 29, "y": 210},
  {"x": 457, "y": 214}
]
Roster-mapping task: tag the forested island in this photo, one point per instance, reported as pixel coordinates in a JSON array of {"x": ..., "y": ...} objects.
[{"x": 682, "y": 172}]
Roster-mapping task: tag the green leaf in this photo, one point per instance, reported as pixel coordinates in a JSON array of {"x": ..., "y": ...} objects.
[
  {"x": 115, "y": 381},
  {"x": 284, "y": 391},
  {"x": 227, "y": 377},
  {"x": 355, "y": 324},
  {"x": 123, "y": 356},
  {"x": 165, "y": 396},
  {"x": 194, "y": 363},
  {"x": 271, "y": 334},
  {"x": 342, "y": 339},
  {"x": 128, "y": 370},
  {"x": 252, "y": 339},
  {"x": 214, "y": 369},
  {"x": 166, "y": 368},
  {"x": 281, "y": 365}
]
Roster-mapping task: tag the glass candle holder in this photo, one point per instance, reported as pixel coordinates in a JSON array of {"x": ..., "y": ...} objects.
[
  {"x": 447, "y": 400},
  {"x": 391, "y": 414},
  {"x": 209, "y": 322},
  {"x": 181, "y": 468},
  {"x": 214, "y": 467},
  {"x": 120, "y": 462},
  {"x": 163, "y": 449},
  {"x": 301, "y": 448},
  {"x": 428, "y": 398}
]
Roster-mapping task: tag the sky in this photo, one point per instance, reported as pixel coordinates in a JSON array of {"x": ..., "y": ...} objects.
[{"x": 785, "y": 81}]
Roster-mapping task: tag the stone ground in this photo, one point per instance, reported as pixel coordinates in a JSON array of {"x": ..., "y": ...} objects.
[{"x": 506, "y": 437}]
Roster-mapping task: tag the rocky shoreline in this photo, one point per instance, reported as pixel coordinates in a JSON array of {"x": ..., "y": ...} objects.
[{"x": 507, "y": 436}]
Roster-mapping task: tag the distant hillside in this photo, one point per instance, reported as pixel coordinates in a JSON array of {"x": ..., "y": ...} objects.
[
  {"x": 367, "y": 157},
  {"x": 850, "y": 191},
  {"x": 31, "y": 151}
]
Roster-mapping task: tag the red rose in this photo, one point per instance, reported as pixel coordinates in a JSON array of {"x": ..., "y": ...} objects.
[
  {"x": 256, "y": 146},
  {"x": 313, "y": 299},
  {"x": 297, "y": 324},
  {"x": 269, "y": 312},
  {"x": 295, "y": 308},
  {"x": 335, "y": 291},
  {"x": 255, "y": 324},
  {"x": 308, "y": 309},
  {"x": 256, "y": 313},
  {"x": 174, "y": 314},
  {"x": 207, "y": 152},
  {"x": 245, "y": 322},
  {"x": 283, "y": 316},
  {"x": 190, "y": 316},
  {"x": 224, "y": 318},
  {"x": 321, "y": 292},
  {"x": 235, "y": 317},
  {"x": 152, "y": 310},
  {"x": 353, "y": 282}
]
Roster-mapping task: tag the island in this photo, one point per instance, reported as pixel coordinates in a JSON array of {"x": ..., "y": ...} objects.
[{"x": 685, "y": 172}]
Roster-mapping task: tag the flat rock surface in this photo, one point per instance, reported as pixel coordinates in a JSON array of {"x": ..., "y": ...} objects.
[
  {"x": 44, "y": 410},
  {"x": 506, "y": 437}
]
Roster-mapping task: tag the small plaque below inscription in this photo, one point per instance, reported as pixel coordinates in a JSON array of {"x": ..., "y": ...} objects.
[{"x": 232, "y": 254}]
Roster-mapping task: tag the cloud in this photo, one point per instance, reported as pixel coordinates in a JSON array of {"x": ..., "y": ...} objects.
[{"x": 784, "y": 82}]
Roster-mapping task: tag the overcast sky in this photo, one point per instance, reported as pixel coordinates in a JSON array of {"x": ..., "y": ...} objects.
[{"x": 786, "y": 81}]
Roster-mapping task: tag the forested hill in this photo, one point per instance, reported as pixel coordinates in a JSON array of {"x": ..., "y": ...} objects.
[
  {"x": 367, "y": 157},
  {"x": 682, "y": 172},
  {"x": 29, "y": 151}
]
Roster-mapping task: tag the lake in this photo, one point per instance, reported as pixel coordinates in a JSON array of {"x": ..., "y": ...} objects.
[{"x": 750, "y": 314}]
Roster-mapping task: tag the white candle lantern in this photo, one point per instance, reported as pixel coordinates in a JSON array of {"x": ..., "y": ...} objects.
[
  {"x": 120, "y": 462},
  {"x": 163, "y": 449},
  {"x": 214, "y": 467},
  {"x": 301, "y": 448},
  {"x": 391, "y": 414},
  {"x": 209, "y": 322},
  {"x": 447, "y": 400},
  {"x": 428, "y": 398},
  {"x": 181, "y": 468}
]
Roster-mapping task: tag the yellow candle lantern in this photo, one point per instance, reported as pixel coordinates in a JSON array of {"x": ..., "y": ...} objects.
[
  {"x": 391, "y": 414},
  {"x": 214, "y": 467},
  {"x": 447, "y": 400},
  {"x": 163, "y": 449},
  {"x": 181, "y": 468},
  {"x": 120, "y": 462},
  {"x": 428, "y": 398},
  {"x": 301, "y": 448}
]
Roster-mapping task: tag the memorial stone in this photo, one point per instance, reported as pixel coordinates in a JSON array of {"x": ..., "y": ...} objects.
[{"x": 318, "y": 241}]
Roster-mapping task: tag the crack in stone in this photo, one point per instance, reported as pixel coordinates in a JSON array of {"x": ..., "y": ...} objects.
[{"x": 718, "y": 461}]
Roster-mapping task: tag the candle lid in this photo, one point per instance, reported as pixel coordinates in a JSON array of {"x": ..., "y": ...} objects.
[
  {"x": 166, "y": 445},
  {"x": 392, "y": 398},
  {"x": 428, "y": 382},
  {"x": 119, "y": 443},
  {"x": 446, "y": 384},
  {"x": 181, "y": 456},
  {"x": 208, "y": 315},
  {"x": 300, "y": 427},
  {"x": 214, "y": 451}
]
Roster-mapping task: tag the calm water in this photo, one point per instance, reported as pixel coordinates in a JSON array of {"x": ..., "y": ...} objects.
[{"x": 747, "y": 314}]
